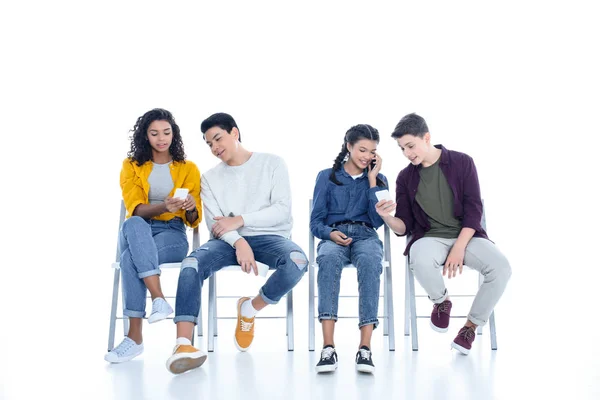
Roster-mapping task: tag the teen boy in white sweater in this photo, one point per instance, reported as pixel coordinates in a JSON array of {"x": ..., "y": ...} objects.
[{"x": 247, "y": 208}]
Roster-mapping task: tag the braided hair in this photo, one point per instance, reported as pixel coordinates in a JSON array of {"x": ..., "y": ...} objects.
[
  {"x": 141, "y": 151},
  {"x": 353, "y": 135}
]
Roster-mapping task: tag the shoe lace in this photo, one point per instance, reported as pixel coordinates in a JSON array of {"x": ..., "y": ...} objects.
[
  {"x": 123, "y": 347},
  {"x": 467, "y": 333},
  {"x": 443, "y": 307},
  {"x": 366, "y": 354},
  {"x": 246, "y": 326},
  {"x": 327, "y": 353}
]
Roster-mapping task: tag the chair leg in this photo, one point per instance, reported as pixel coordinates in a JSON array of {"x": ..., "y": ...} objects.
[
  {"x": 290, "y": 320},
  {"x": 113, "y": 310},
  {"x": 215, "y": 296},
  {"x": 125, "y": 325},
  {"x": 211, "y": 313},
  {"x": 311, "y": 307},
  {"x": 413, "y": 311},
  {"x": 390, "y": 310},
  {"x": 492, "y": 323},
  {"x": 406, "y": 302},
  {"x": 386, "y": 312}
]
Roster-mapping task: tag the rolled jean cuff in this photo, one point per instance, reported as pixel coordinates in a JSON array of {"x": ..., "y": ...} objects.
[
  {"x": 134, "y": 314},
  {"x": 146, "y": 274},
  {"x": 185, "y": 318},
  {"x": 372, "y": 321},
  {"x": 265, "y": 298},
  {"x": 327, "y": 317},
  {"x": 476, "y": 321},
  {"x": 440, "y": 299}
]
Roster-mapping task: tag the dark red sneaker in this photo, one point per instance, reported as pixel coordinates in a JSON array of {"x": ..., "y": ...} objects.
[
  {"x": 440, "y": 316},
  {"x": 464, "y": 340}
]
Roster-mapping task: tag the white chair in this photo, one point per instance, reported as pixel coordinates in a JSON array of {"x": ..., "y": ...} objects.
[
  {"x": 212, "y": 307},
  {"x": 115, "y": 292},
  {"x": 388, "y": 293},
  {"x": 410, "y": 307}
]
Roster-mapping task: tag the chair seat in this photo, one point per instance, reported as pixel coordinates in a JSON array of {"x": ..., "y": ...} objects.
[
  {"x": 263, "y": 269},
  {"x": 117, "y": 265},
  {"x": 385, "y": 264}
]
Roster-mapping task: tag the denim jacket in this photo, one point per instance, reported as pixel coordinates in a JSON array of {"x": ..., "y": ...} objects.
[{"x": 353, "y": 200}]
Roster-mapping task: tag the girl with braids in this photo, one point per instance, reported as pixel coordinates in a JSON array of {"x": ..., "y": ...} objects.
[
  {"x": 345, "y": 219},
  {"x": 154, "y": 231}
]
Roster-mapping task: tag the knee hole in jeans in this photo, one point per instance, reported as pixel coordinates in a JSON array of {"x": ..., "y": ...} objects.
[
  {"x": 299, "y": 259},
  {"x": 189, "y": 262}
]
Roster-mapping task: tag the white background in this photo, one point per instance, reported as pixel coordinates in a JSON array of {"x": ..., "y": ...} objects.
[{"x": 513, "y": 84}]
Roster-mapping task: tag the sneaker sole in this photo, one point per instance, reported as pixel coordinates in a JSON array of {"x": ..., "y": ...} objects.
[
  {"x": 180, "y": 363},
  {"x": 368, "y": 369},
  {"x": 124, "y": 359},
  {"x": 158, "y": 317},
  {"x": 437, "y": 328},
  {"x": 326, "y": 368},
  {"x": 461, "y": 349}
]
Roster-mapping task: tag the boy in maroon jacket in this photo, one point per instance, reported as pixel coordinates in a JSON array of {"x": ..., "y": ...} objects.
[{"x": 438, "y": 204}]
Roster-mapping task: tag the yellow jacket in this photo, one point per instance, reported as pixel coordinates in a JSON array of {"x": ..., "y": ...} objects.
[{"x": 135, "y": 187}]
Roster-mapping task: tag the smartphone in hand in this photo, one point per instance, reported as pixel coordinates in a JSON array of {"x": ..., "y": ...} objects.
[
  {"x": 383, "y": 195},
  {"x": 181, "y": 193}
]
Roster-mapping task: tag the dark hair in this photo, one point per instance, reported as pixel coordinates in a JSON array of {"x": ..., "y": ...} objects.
[
  {"x": 222, "y": 120},
  {"x": 353, "y": 135},
  {"x": 411, "y": 124},
  {"x": 141, "y": 151}
]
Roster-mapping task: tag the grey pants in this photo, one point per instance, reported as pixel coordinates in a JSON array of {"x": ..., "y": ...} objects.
[{"x": 426, "y": 260}]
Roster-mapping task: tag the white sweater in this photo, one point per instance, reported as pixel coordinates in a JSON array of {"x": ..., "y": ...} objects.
[{"x": 258, "y": 190}]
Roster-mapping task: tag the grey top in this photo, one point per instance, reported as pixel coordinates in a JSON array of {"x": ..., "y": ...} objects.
[
  {"x": 435, "y": 197},
  {"x": 161, "y": 183}
]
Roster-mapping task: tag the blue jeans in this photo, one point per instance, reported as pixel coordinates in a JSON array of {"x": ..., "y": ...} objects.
[
  {"x": 280, "y": 254},
  {"x": 144, "y": 245},
  {"x": 365, "y": 252}
]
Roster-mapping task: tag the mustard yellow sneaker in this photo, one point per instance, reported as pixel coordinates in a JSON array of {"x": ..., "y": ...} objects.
[
  {"x": 244, "y": 330},
  {"x": 185, "y": 358}
]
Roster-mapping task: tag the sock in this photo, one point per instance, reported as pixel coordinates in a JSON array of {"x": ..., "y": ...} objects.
[
  {"x": 247, "y": 310},
  {"x": 183, "y": 341}
]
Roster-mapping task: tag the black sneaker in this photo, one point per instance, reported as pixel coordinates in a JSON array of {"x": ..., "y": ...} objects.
[
  {"x": 364, "y": 362},
  {"x": 329, "y": 360}
]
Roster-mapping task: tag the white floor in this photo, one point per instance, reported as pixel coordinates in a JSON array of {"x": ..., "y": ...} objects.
[
  {"x": 525, "y": 366},
  {"x": 547, "y": 347}
]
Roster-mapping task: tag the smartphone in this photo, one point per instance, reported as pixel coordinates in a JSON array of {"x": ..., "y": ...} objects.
[
  {"x": 383, "y": 195},
  {"x": 373, "y": 162},
  {"x": 181, "y": 193}
]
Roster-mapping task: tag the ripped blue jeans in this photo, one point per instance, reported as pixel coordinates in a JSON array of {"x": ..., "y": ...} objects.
[{"x": 280, "y": 254}]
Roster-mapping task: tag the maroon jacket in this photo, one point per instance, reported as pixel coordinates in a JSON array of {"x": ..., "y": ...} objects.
[{"x": 461, "y": 174}]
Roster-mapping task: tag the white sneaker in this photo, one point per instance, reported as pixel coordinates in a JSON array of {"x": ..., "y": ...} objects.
[
  {"x": 160, "y": 310},
  {"x": 125, "y": 351}
]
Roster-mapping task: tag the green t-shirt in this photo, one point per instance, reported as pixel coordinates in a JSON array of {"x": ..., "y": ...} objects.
[{"x": 435, "y": 197}]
